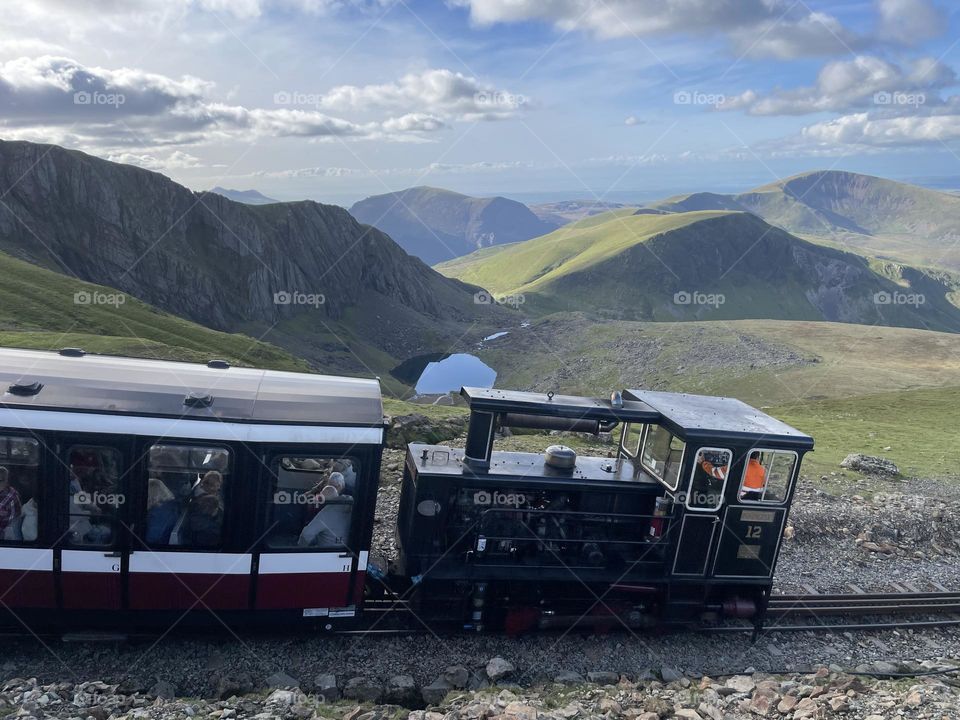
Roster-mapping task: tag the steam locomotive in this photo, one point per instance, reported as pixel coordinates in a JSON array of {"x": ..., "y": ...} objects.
[{"x": 139, "y": 493}]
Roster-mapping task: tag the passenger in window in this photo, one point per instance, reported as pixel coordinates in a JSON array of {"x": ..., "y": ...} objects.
[
  {"x": 162, "y": 512},
  {"x": 205, "y": 521},
  {"x": 345, "y": 469},
  {"x": 330, "y": 525},
  {"x": 717, "y": 472},
  {"x": 29, "y": 528},
  {"x": 755, "y": 479},
  {"x": 10, "y": 507},
  {"x": 210, "y": 484}
]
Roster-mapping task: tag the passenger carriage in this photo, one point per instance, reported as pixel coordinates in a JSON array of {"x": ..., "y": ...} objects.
[{"x": 147, "y": 491}]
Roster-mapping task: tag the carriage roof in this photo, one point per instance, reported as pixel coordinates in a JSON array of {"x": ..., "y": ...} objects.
[{"x": 159, "y": 388}]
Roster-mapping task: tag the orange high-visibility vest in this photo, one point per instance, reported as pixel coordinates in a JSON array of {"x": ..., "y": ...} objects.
[
  {"x": 719, "y": 473},
  {"x": 756, "y": 478}
]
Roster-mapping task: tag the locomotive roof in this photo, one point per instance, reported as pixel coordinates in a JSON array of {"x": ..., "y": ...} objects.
[
  {"x": 689, "y": 416},
  {"x": 135, "y": 387},
  {"x": 705, "y": 415}
]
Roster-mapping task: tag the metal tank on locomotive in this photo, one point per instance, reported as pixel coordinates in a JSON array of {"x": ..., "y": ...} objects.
[{"x": 669, "y": 531}]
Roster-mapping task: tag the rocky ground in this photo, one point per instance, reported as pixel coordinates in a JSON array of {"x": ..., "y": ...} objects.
[{"x": 868, "y": 531}]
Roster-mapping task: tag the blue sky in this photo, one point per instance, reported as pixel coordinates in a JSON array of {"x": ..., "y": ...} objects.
[{"x": 600, "y": 99}]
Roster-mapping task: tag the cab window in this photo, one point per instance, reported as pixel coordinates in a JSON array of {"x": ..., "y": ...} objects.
[
  {"x": 767, "y": 476},
  {"x": 662, "y": 455},
  {"x": 19, "y": 503},
  {"x": 630, "y": 439},
  {"x": 95, "y": 496},
  {"x": 311, "y": 502},
  {"x": 185, "y": 496},
  {"x": 708, "y": 478}
]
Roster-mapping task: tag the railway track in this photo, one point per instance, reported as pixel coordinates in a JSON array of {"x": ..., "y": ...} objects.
[{"x": 812, "y": 612}]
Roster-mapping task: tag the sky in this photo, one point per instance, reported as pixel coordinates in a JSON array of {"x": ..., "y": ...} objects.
[{"x": 616, "y": 100}]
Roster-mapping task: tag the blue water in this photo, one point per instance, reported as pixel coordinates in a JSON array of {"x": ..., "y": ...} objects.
[{"x": 451, "y": 373}]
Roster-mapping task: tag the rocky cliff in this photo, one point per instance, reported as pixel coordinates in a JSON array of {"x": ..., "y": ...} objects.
[{"x": 202, "y": 256}]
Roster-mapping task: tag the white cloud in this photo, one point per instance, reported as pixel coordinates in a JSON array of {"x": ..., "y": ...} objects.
[
  {"x": 864, "y": 129},
  {"x": 176, "y": 160},
  {"x": 910, "y": 21},
  {"x": 124, "y": 107},
  {"x": 632, "y": 120},
  {"x": 761, "y": 28},
  {"x": 438, "y": 92},
  {"x": 863, "y": 82}
]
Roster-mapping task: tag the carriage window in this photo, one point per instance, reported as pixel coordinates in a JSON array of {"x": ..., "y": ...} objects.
[
  {"x": 185, "y": 491},
  {"x": 767, "y": 476},
  {"x": 19, "y": 465},
  {"x": 662, "y": 455},
  {"x": 311, "y": 502},
  {"x": 95, "y": 495},
  {"x": 709, "y": 477},
  {"x": 630, "y": 440}
]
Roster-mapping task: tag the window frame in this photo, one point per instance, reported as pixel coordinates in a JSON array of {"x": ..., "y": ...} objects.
[
  {"x": 790, "y": 480},
  {"x": 225, "y": 491},
  {"x": 271, "y": 477},
  {"x": 693, "y": 474},
  {"x": 117, "y": 520},
  {"x": 653, "y": 473},
  {"x": 640, "y": 441},
  {"x": 39, "y": 493}
]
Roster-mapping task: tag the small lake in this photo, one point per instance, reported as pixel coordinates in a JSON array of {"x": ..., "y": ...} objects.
[{"x": 437, "y": 374}]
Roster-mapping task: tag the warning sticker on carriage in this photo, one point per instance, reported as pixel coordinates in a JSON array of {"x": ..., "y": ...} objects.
[
  {"x": 757, "y": 516},
  {"x": 748, "y": 552}
]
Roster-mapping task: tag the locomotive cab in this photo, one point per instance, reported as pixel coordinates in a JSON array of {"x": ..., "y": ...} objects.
[{"x": 683, "y": 521}]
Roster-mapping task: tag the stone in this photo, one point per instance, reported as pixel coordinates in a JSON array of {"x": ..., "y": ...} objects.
[
  {"x": 457, "y": 675},
  {"x": 787, "y": 704},
  {"x": 670, "y": 674},
  {"x": 761, "y": 705},
  {"x": 839, "y": 704},
  {"x": 363, "y": 689},
  {"x": 688, "y": 714},
  {"x": 163, "y": 689},
  {"x": 569, "y": 677},
  {"x": 610, "y": 705},
  {"x": 806, "y": 708},
  {"x": 870, "y": 465},
  {"x": 283, "y": 697},
  {"x": 435, "y": 692},
  {"x": 648, "y": 716},
  {"x": 325, "y": 687},
  {"x": 498, "y": 669},
  {"x": 230, "y": 685},
  {"x": 658, "y": 706},
  {"x": 603, "y": 678},
  {"x": 402, "y": 690},
  {"x": 520, "y": 711},
  {"x": 741, "y": 683},
  {"x": 280, "y": 681},
  {"x": 914, "y": 700}
]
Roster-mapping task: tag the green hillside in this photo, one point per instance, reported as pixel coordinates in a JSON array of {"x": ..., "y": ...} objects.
[
  {"x": 45, "y": 310},
  {"x": 706, "y": 265}
]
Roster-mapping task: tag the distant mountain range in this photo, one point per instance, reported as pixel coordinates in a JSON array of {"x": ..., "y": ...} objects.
[
  {"x": 437, "y": 225},
  {"x": 706, "y": 264},
  {"x": 250, "y": 197},
  {"x": 568, "y": 211},
  {"x": 340, "y": 294},
  {"x": 870, "y": 214}
]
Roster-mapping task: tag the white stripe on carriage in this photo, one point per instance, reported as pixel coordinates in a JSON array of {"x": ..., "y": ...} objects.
[
  {"x": 38, "y": 559},
  {"x": 304, "y": 563},
  {"x": 27, "y": 419},
  {"x": 190, "y": 563},
  {"x": 89, "y": 561}
]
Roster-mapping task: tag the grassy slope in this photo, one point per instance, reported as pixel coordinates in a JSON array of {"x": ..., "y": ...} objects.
[
  {"x": 531, "y": 265},
  {"x": 37, "y": 310}
]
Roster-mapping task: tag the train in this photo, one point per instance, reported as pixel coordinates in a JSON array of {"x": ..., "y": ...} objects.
[{"x": 142, "y": 493}]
